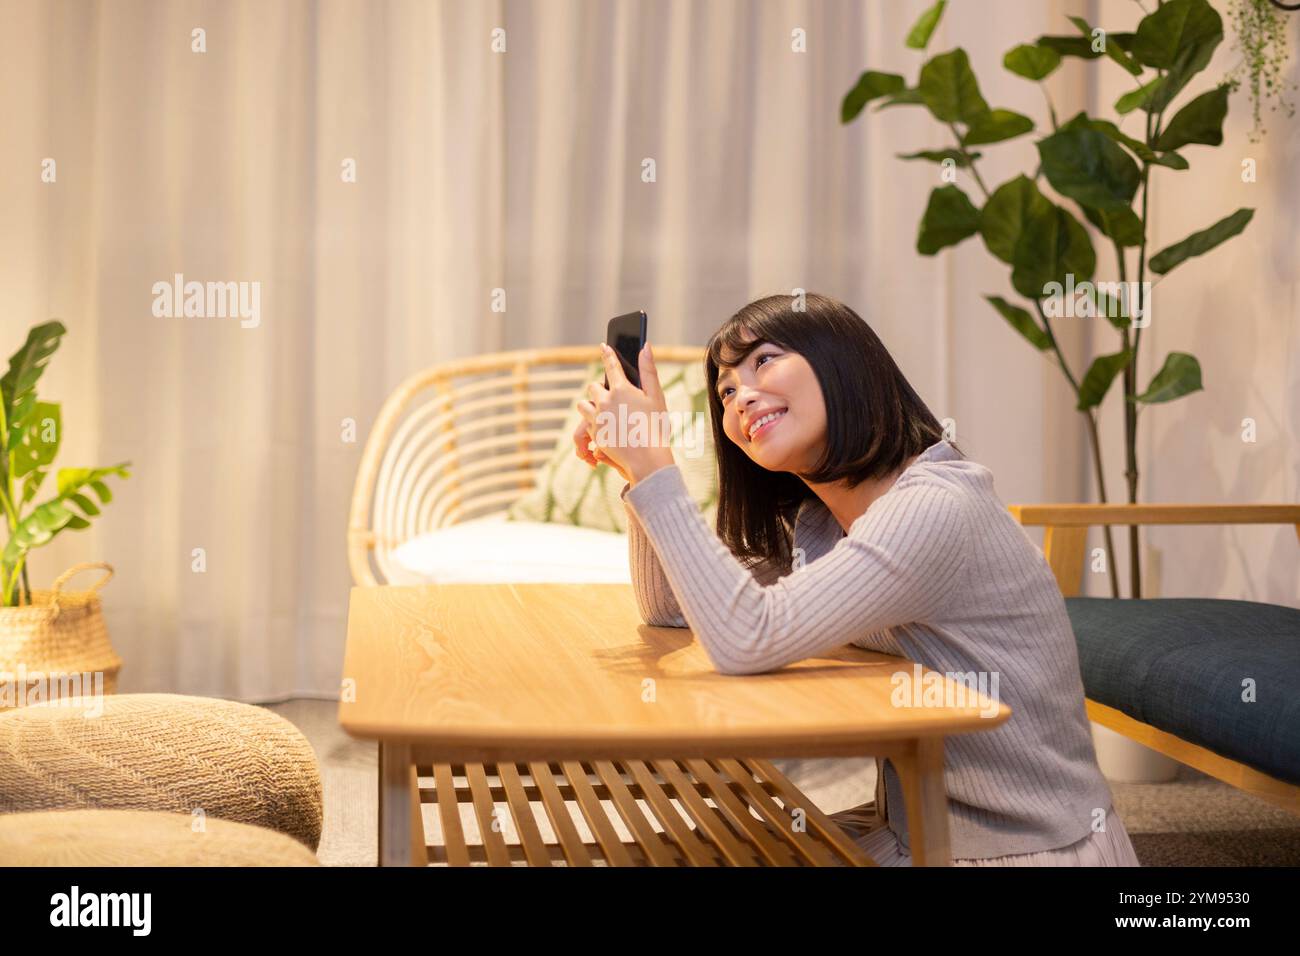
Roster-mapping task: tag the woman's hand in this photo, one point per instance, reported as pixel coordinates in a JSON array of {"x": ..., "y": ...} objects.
[
  {"x": 582, "y": 439},
  {"x": 645, "y": 405}
]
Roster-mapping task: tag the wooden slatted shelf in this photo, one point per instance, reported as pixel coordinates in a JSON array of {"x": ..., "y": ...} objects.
[{"x": 727, "y": 812}]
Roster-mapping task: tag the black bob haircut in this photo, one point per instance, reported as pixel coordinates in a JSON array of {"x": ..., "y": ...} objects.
[{"x": 875, "y": 421}]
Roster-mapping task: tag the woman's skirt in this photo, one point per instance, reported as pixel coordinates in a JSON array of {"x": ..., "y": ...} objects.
[{"x": 1109, "y": 847}]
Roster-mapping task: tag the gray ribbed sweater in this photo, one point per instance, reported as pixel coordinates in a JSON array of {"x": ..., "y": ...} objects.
[{"x": 936, "y": 571}]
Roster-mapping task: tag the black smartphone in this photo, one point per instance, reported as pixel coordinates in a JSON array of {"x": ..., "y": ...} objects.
[{"x": 626, "y": 336}]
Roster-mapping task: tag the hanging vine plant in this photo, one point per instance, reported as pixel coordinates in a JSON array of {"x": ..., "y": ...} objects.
[{"x": 1261, "y": 27}]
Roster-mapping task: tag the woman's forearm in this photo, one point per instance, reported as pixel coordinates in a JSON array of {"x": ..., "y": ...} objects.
[
  {"x": 900, "y": 564},
  {"x": 654, "y": 595}
]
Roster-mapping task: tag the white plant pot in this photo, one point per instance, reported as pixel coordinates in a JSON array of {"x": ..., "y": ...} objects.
[{"x": 1125, "y": 761}]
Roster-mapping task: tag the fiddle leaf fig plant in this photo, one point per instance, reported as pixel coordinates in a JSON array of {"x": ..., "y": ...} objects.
[
  {"x": 30, "y": 431},
  {"x": 1092, "y": 184}
]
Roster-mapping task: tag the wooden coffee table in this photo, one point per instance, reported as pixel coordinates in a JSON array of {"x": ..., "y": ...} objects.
[{"x": 568, "y": 683}]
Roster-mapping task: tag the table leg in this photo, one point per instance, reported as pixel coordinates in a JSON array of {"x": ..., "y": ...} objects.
[
  {"x": 401, "y": 825},
  {"x": 921, "y": 774}
]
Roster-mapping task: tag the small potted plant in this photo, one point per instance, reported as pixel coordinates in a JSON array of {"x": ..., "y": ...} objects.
[{"x": 44, "y": 633}]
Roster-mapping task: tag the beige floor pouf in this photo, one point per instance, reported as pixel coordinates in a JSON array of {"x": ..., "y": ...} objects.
[
  {"x": 198, "y": 756},
  {"x": 141, "y": 838}
]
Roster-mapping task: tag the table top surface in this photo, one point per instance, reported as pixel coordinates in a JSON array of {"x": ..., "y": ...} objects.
[{"x": 564, "y": 671}]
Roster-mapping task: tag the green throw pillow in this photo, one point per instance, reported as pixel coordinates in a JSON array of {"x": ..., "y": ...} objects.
[{"x": 569, "y": 491}]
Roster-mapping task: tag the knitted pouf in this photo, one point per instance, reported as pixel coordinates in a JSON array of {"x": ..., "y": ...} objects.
[
  {"x": 141, "y": 838},
  {"x": 199, "y": 756}
]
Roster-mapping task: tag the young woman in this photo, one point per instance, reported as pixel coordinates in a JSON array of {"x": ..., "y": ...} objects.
[{"x": 902, "y": 547}]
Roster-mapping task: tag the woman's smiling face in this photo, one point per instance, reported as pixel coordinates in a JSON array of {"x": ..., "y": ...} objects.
[{"x": 774, "y": 381}]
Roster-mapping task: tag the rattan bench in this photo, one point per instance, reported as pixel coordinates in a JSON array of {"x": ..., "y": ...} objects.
[{"x": 462, "y": 440}]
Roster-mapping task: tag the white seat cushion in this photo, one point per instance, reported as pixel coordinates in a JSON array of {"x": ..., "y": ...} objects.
[{"x": 493, "y": 550}]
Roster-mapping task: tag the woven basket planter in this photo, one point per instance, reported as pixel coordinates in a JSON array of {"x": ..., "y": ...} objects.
[{"x": 59, "y": 633}]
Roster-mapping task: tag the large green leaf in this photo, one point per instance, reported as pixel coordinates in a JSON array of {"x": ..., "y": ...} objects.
[
  {"x": 1200, "y": 121},
  {"x": 1083, "y": 121},
  {"x": 1168, "y": 87},
  {"x": 919, "y": 36},
  {"x": 1003, "y": 217},
  {"x": 1031, "y": 61},
  {"x": 38, "y": 438},
  {"x": 1021, "y": 321},
  {"x": 1139, "y": 98},
  {"x": 1090, "y": 168},
  {"x": 1122, "y": 224},
  {"x": 18, "y": 386},
  {"x": 44, "y": 522},
  {"x": 871, "y": 85},
  {"x": 902, "y": 98},
  {"x": 949, "y": 218},
  {"x": 1135, "y": 146},
  {"x": 1154, "y": 96},
  {"x": 1181, "y": 36},
  {"x": 1115, "y": 309},
  {"x": 85, "y": 504},
  {"x": 1199, "y": 243},
  {"x": 31, "y": 485},
  {"x": 996, "y": 126},
  {"x": 1113, "y": 50},
  {"x": 1069, "y": 46},
  {"x": 950, "y": 90},
  {"x": 48, "y": 519},
  {"x": 1052, "y": 247},
  {"x": 959, "y": 157},
  {"x": 1180, "y": 375},
  {"x": 1100, "y": 374},
  {"x": 1175, "y": 29},
  {"x": 74, "y": 479},
  {"x": 1170, "y": 159}
]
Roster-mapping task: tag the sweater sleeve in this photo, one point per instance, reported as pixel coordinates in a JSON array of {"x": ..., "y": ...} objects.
[
  {"x": 897, "y": 565},
  {"x": 654, "y": 594}
]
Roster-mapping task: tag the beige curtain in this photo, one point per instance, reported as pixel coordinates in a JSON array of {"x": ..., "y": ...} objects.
[{"x": 380, "y": 171}]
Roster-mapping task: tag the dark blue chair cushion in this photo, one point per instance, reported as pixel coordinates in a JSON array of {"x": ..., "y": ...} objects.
[{"x": 1180, "y": 664}]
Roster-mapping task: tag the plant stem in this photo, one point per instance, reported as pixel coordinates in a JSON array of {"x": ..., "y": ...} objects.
[
  {"x": 1130, "y": 442},
  {"x": 1130, "y": 369},
  {"x": 970, "y": 163},
  {"x": 1095, "y": 440},
  {"x": 1050, "y": 108},
  {"x": 11, "y": 514},
  {"x": 10, "y": 583}
]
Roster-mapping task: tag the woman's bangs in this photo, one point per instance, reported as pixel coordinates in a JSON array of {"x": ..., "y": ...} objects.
[{"x": 746, "y": 331}]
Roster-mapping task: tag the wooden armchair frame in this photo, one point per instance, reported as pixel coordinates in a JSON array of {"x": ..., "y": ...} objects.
[{"x": 1064, "y": 545}]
